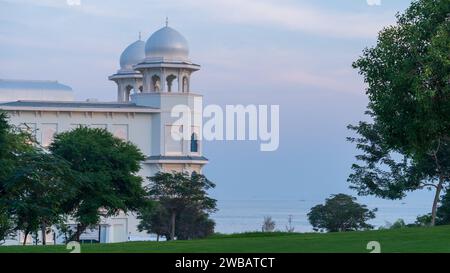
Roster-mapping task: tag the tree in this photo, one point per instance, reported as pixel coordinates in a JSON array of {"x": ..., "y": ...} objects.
[
  {"x": 154, "y": 218},
  {"x": 13, "y": 143},
  {"x": 37, "y": 190},
  {"x": 193, "y": 224},
  {"x": 407, "y": 145},
  {"x": 443, "y": 211},
  {"x": 423, "y": 220},
  {"x": 106, "y": 168},
  {"x": 268, "y": 224},
  {"x": 179, "y": 191},
  {"x": 6, "y": 224},
  {"x": 399, "y": 223},
  {"x": 340, "y": 212}
]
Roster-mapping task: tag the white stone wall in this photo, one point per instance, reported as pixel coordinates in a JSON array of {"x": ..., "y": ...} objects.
[{"x": 166, "y": 101}]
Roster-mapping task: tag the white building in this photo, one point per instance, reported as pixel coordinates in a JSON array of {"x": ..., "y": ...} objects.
[{"x": 153, "y": 77}]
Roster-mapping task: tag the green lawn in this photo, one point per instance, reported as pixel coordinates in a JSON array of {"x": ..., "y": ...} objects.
[{"x": 435, "y": 239}]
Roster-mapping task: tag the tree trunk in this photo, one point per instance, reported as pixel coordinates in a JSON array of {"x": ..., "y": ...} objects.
[
  {"x": 436, "y": 201},
  {"x": 76, "y": 236},
  {"x": 172, "y": 225},
  {"x": 80, "y": 230},
  {"x": 43, "y": 231},
  {"x": 25, "y": 238},
  {"x": 99, "y": 233},
  {"x": 157, "y": 237}
]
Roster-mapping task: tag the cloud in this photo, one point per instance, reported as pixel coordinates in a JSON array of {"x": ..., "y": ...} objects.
[
  {"x": 296, "y": 16},
  {"x": 243, "y": 68},
  {"x": 85, "y": 7},
  {"x": 299, "y": 17}
]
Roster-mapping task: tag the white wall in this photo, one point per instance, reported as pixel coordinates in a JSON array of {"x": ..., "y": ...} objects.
[{"x": 138, "y": 126}]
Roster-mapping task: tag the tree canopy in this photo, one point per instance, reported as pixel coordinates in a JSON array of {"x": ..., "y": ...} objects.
[
  {"x": 106, "y": 168},
  {"x": 183, "y": 197},
  {"x": 33, "y": 183},
  {"x": 406, "y": 146},
  {"x": 340, "y": 212}
]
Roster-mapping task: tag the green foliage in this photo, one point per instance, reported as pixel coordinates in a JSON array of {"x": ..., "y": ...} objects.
[
  {"x": 423, "y": 220},
  {"x": 193, "y": 224},
  {"x": 443, "y": 212},
  {"x": 407, "y": 146},
  {"x": 154, "y": 218},
  {"x": 106, "y": 168},
  {"x": 15, "y": 145},
  {"x": 400, "y": 223},
  {"x": 6, "y": 224},
  {"x": 183, "y": 199},
  {"x": 340, "y": 212},
  {"x": 35, "y": 194}
]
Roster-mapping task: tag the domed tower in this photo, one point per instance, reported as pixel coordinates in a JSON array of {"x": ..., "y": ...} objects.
[
  {"x": 166, "y": 72},
  {"x": 166, "y": 67},
  {"x": 127, "y": 79}
]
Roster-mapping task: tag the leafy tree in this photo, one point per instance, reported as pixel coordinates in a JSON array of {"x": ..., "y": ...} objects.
[
  {"x": 407, "y": 145},
  {"x": 178, "y": 191},
  {"x": 423, "y": 220},
  {"x": 107, "y": 168},
  {"x": 6, "y": 224},
  {"x": 193, "y": 224},
  {"x": 154, "y": 218},
  {"x": 37, "y": 191},
  {"x": 400, "y": 223},
  {"x": 443, "y": 211},
  {"x": 13, "y": 143},
  {"x": 340, "y": 212}
]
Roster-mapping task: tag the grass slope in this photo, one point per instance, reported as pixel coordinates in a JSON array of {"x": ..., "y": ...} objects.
[{"x": 436, "y": 239}]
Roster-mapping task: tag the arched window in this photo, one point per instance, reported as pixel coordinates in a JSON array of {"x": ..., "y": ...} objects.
[
  {"x": 128, "y": 91},
  {"x": 185, "y": 83},
  {"x": 170, "y": 80},
  {"x": 156, "y": 83},
  {"x": 194, "y": 143}
]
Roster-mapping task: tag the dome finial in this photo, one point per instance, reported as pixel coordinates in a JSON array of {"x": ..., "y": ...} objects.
[
  {"x": 139, "y": 35},
  {"x": 167, "y": 21}
]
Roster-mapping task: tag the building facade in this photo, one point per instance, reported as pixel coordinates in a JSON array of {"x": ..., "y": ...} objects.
[{"x": 154, "y": 76}]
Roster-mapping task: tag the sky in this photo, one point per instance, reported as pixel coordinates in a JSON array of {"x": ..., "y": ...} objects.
[{"x": 292, "y": 53}]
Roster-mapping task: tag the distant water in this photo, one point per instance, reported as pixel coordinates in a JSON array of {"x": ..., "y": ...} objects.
[{"x": 248, "y": 215}]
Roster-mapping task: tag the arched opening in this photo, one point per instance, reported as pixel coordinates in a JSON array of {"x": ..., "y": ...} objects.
[
  {"x": 128, "y": 91},
  {"x": 185, "y": 87},
  {"x": 156, "y": 83},
  {"x": 171, "y": 82},
  {"x": 194, "y": 143},
  {"x": 141, "y": 88}
]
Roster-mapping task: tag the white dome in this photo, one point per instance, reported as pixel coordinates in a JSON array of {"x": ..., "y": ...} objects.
[
  {"x": 132, "y": 55},
  {"x": 167, "y": 44}
]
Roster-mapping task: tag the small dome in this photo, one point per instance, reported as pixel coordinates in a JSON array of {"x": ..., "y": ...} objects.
[
  {"x": 132, "y": 55},
  {"x": 167, "y": 44}
]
